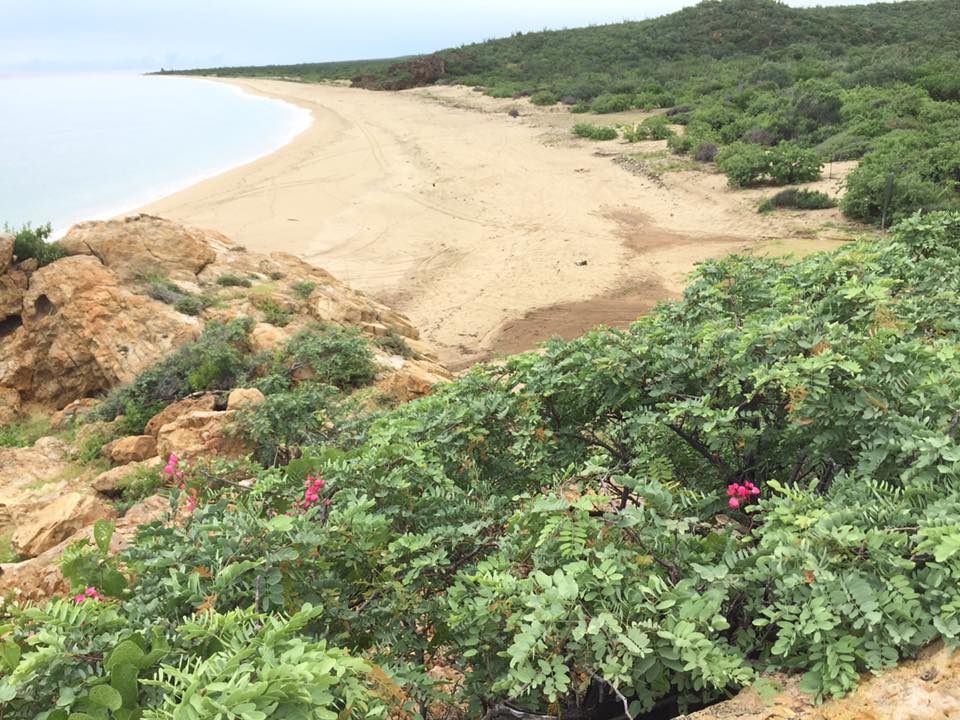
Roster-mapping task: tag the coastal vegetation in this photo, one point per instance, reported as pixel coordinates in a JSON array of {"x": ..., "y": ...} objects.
[
  {"x": 764, "y": 475},
  {"x": 876, "y": 83}
]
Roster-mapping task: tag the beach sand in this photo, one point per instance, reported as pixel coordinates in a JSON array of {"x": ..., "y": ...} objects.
[{"x": 491, "y": 233}]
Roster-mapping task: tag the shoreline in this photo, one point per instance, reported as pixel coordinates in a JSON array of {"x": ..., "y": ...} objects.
[
  {"x": 158, "y": 195},
  {"x": 489, "y": 233}
]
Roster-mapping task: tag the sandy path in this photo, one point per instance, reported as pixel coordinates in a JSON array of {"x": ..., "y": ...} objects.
[{"x": 490, "y": 233}]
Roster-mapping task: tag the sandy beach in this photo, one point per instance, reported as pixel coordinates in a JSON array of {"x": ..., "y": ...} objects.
[{"x": 491, "y": 233}]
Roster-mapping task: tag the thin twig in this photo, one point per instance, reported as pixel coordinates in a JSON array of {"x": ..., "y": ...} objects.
[{"x": 623, "y": 698}]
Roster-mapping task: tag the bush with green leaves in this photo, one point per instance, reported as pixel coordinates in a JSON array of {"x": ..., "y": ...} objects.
[
  {"x": 34, "y": 242},
  {"x": 595, "y": 132},
  {"x": 747, "y": 164},
  {"x": 337, "y": 356},
  {"x": 219, "y": 359},
  {"x": 579, "y": 524},
  {"x": 231, "y": 280},
  {"x": 799, "y": 199}
]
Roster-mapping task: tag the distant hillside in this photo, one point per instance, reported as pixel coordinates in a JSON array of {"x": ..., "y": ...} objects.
[
  {"x": 628, "y": 56},
  {"x": 879, "y": 82}
]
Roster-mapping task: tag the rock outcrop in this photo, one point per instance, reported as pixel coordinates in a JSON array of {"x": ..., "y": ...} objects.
[
  {"x": 57, "y": 521},
  {"x": 128, "y": 294},
  {"x": 80, "y": 331},
  {"x": 39, "y": 578},
  {"x": 90, "y": 321}
]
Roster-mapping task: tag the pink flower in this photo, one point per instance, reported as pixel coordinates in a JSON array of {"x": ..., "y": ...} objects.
[
  {"x": 742, "y": 491},
  {"x": 731, "y": 490},
  {"x": 191, "y": 503},
  {"x": 734, "y": 503},
  {"x": 173, "y": 459},
  {"x": 179, "y": 474},
  {"x": 168, "y": 470}
]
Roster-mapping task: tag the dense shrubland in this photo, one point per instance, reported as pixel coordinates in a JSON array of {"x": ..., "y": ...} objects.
[
  {"x": 762, "y": 476},
  {"x": 879, "y": 82}
]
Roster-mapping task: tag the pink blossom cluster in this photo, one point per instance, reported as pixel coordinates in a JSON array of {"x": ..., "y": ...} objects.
[
  {"x": 89, "y": 594},
  {"x": 741, "y": 494},
  {"x": 172, "y": 468},
  {"x": 312, "y": 494}
]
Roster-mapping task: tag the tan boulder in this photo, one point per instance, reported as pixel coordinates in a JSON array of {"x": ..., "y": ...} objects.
[
  {"x": 13, "y": 285},
  {"x": 10, "y": 405},
  {"x": 39, "y": 578},
  {"x": 199, "y": 434},
  {"x": 207, "y": 401},
  {"x": 266, "y": 338},
  {"x": 57, "y": 521},
  {"x": 414, "y": 379},
  {"x": 6, "y": 251},
  {"x": 25, "y": 474},
  {"x": 138, "y": 246},
  {"x": 133, "y": 449},
  {"x": 111, "y": 481},
  {"x": 244, "y": 397},
  {"x": 83, "y": 333}
]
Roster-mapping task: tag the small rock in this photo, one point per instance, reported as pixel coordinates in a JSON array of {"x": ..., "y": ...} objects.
[
  {"x": 171, "y": 412},
  {"x": 244, "y": 397},
  {"x": 580, "y": 263},
  {"x": 30, "y": 265},
  {"x": 108, "y": 483},
  {"x": 133, "y": 449},
  {"x": 57, "y": 521}
]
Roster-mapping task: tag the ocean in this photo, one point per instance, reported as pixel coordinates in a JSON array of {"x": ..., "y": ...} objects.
[{"x": 82, "y": 147}]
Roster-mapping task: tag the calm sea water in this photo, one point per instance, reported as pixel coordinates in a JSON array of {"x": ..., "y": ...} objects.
[{"x": 84, "y": 147}]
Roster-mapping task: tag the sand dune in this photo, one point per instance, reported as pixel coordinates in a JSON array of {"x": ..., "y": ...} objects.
[{"x": 491, "y": 233}]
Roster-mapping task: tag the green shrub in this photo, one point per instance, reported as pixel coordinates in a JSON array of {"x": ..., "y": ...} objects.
[
  {"x": 274, "y": 313},
  {"x": 580, "y": 107},
  {"x": 395, "y": 343},
  {"x": 304, "y": 289},
  {"x": 790, "y": 163},
  {"x": 33, "y": 242},
  {"x": 744, "y": 165},
  {"x": 189, "y": 305},
  {"x": 24, "y": 432},
  {"x": 166, "y": 291},
  {"x": 799, "y": 199},
  {"x": 594, "y": 132},
  {"x": 233, "y": 281},
  {"x": 611, "y": 104},
  {"x": 544, "y": 98},
  {"x": 218, "y": 360},
  {"x": 336, "y": 356},
  {"x": 287, "y": 420}
]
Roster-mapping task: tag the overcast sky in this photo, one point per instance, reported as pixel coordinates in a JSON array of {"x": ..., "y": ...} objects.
[{"x": 39, "y": 35}]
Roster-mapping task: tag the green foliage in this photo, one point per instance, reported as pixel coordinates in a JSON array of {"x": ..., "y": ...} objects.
[
  {"x": 746, "y": 164},
  {"x": 304, "y": 289},
  {"x": 395, "y": 343},
  {"x": 189, "y": 305},
  {"x": 218, "y": 360},
  {"x": 332, "y": 355},
  {"x": 33, "y": 242},
  {"x": 799, "y": 199},
  {"x": 230, "y": 280},
  {"x": 25, "y": 432},
  {"x": 544, "y": 98},
  {"x": 287, "y": 420},
  {"x": 653, "y": 128},
  {"x": 274, "y": 313},
  {"x": 595, "y": 132}
]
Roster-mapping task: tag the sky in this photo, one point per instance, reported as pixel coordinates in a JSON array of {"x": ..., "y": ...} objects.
[{"x": 99, "y": 35}]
